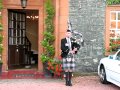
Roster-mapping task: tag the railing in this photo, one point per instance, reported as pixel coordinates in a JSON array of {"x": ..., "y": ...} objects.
[{"x": 28, "y": 50}]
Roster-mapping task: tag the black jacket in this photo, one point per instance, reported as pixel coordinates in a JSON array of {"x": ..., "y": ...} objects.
[{"x": 65, "y": 49}]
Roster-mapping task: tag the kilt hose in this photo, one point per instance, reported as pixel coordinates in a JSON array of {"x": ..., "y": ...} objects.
[{"x": 68, "y": 62}]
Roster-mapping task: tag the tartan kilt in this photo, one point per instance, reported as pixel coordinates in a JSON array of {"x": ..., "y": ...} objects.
[{"x": 68, "y": 63}]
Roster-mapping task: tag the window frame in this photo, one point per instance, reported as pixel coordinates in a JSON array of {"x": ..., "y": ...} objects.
[{"x": 107, "y": 38}]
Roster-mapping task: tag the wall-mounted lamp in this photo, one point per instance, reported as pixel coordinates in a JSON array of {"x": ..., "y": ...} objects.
[{"x": 23, "y": 3}]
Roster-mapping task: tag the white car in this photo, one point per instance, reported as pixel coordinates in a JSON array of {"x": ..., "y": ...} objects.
[{"x": 109, "y": 69}]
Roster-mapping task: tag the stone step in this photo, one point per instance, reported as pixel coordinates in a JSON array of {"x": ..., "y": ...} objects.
[{"x": 21, "y": 74}]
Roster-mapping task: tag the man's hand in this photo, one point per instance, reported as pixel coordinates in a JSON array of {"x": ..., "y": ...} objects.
[
  {"x": 75, "y": 49},
  {"x": 72, "y": 51}
]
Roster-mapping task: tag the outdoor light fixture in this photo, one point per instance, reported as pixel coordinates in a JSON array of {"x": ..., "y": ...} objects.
[
  {"x": 23, "y": 3},
  {"x": 32, "y": 17}
]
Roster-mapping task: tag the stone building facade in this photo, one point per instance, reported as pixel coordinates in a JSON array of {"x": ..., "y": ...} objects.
[{"x": 88, "y": 18}]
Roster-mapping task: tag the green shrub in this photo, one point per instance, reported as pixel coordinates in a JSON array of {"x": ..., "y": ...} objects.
[
  {"x": 48, "y": 41},
  {"x": 113, "y": 2},
  {"x": 1, "y": 38},
  {"x": 1, "y": 27}
]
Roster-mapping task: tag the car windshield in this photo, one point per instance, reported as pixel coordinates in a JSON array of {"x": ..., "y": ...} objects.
[{"x": 118, "y": 56}]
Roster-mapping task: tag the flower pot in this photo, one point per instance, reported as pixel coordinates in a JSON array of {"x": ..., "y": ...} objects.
[
  {"x": 47, "y": 72},
  {"x": 52, "y": 75}
]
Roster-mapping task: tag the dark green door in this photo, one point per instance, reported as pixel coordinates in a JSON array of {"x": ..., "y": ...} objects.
[{"x": 16, "y": 39}]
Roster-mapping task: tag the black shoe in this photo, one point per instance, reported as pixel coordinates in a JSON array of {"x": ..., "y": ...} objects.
[
  {"x": 70, "y": 77},
  {"x": 70, "y": 84},
  {"x": 67, "y": 78},
  {"x": 67, "y": 84}
]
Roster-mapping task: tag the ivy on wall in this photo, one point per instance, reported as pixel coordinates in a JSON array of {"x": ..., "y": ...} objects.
[
  {"x": 113, "y": 2},
  {"x": 49, "y": 62},
  {"x": 1, "y": 36},
  {"x": 48, "y": 41}
]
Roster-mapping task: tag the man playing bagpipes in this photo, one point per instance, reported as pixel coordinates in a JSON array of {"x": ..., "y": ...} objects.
[{"x": 69, "y": 48}]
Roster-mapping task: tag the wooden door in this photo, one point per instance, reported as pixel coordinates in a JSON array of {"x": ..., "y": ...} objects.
[{"x": 16, "y": 38}]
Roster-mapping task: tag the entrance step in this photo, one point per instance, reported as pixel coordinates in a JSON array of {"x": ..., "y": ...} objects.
[{"x": 21, "y": 74}]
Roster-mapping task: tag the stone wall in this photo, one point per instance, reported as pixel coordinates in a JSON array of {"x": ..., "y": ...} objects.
[{"x": 88, "y": 18}]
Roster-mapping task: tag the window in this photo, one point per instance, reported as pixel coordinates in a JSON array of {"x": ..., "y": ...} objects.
[
  {"x": 114, "y": 28},
  {"x": 16, "y": 28},
  {"x": 114, "y": 25}
]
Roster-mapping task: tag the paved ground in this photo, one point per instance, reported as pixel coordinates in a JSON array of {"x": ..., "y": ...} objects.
[{"x": 79, "y": 83}]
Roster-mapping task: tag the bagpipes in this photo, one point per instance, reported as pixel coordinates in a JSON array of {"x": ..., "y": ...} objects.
[{"x": 76, "y": 35}]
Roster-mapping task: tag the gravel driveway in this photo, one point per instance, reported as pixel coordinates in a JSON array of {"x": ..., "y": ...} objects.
[{"x": 79, "y": 83}]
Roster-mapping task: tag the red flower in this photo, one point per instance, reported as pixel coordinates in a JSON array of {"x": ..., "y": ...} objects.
[
  {"x": 49, "y": 63},
  {"x": 52, "y": 67},
  {"x": 48, "y": 68},
  {"x": 55, "y": 67},
  {"x": 58, "y": 73}
]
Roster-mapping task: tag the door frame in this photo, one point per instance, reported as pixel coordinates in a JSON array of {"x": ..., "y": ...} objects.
[{"x": 40, "y": 33}]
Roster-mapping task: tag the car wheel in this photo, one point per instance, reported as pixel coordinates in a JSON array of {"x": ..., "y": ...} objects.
[{"x": 103, "y": 75}]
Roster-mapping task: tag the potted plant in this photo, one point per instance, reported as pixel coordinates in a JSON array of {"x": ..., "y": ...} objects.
[
  {"x": 48, "y": 40},
  {"x": 114, "y": 46},
  {"x": 45, "y": 59},
  {"x": 55, "y": 67}
]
